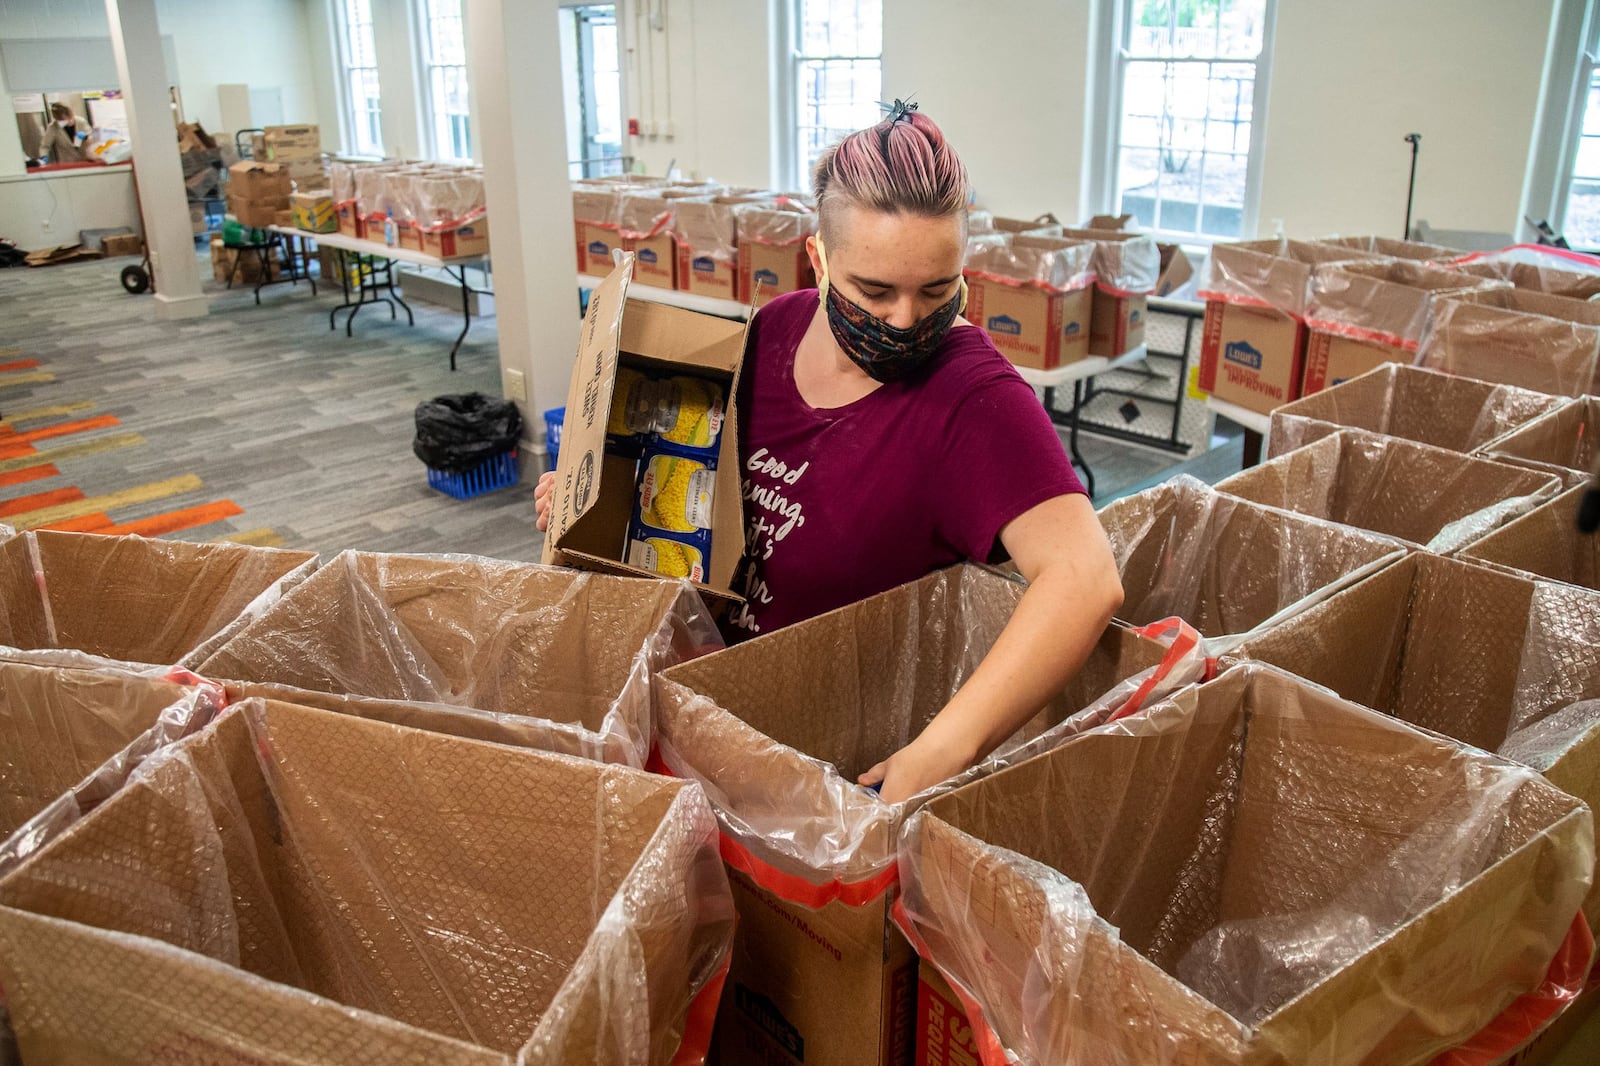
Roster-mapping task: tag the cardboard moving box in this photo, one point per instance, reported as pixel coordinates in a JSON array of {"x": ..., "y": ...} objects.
[
  {"x": 313, "y": 211},
  {"x": 644, "y": 221},
  {"x": 130, "y": 599},
  {"x": 777, "y": 729},
  {"x": 1415, "y": 251},
  {"x": 1499, "y": 661},
  {"x": 1033, "y": 295},
  {"x": 1546, "y": 541},
  {"x": 1226, "y": 566},
  {"x": 1429, "y": 497},
  {"x": 1127, "y": 268},
  {"x": 1246, "y": 878},
  {"x": 1561, "y": 442},
  {"x": 1576, "y": 283},
  {"x": 772, "y": 250},
  {"x": 705, "y": 230},
  {"x": 296, "y": 885},
  {"x": 508, "y": 638},
  {"x": 1518, "y": 336},
  {"x": 596, "y": 487},
  {"x": 1421, "y": 405}
]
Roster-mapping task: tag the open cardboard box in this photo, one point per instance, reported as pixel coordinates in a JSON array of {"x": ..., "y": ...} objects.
[
  {"x": 1421, "y": 405},
  {"x": 594, "y": 491},
  {"x": 64, "y": 596},
  {"x": 1226, "y": 566},
  {"x": 772, "y": 249},
  {"x": 1429, "y": 497},
  {"x": 1578, "y": 284},
  {"x": 778, "y": 729},
  {"x": 1500, "y": 661},
  {"x": 295, "y": 885},
  {"x": 1254, "y": 871},
  {"x": 1518, "y": 336},
  {"x": 1546, "y": 541},
  {"x": 1415, "y": 251},
  {"x": 578, "y": 650},
  {"x": 1561, "y": 442},
  {"x": 1033, "y": 295},
  {"x": 1127, "y": 269}
]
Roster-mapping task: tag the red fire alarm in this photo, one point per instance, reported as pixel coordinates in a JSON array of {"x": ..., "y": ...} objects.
[{"x": 633, "y": 127}]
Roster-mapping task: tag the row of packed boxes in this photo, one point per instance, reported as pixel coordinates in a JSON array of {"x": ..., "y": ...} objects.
[
  {"x": 1288, "y": 318},
  {"x": 437, "y": 209}
]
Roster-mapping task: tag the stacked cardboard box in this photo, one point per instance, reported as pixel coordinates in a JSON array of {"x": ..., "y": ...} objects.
[
  {"x": 1517, "y": 336},
  {"x": 244, "y": 265},
  {"x": 1246, "y": 878},
  {"x": 644, "y": 221},
  {"x": 201, "y": 158},
  {"x": 299, "y": 150},
  {"x": 1127, "y": 268},
  {"x": 258, "y": 191},
  {"x": 777, "y": 729},
  {"x": 294, "y": 884},
  {"x": 314, "y": 212},
  {"x": 705, "y": 230},
  {"x": 1546, "y": 541},
  {"x": 772, "y": 249},
  {"x": 1561, "y": 442},
  {"x": 1421, "y": 405},
  {"x": 1034, "y": 296},
  {"x": 1429, "y": 497},
  {"x": 1367, "y": 313}
]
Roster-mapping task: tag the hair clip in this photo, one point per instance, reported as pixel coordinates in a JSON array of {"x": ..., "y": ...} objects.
[{"x": 898, "y": 110}]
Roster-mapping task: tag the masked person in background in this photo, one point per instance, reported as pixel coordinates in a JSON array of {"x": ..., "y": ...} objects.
[
  {"x": 65, "y": 136},
  {"x": 884, "y": 436}
]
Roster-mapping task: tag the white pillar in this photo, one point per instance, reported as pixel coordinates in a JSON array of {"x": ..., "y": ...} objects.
[
  {"x": 136, "y": 40},
  {"x": 514, "y": 66}
]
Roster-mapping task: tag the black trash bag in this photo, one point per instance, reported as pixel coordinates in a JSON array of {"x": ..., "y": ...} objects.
[{"x": 456, "y": 434}]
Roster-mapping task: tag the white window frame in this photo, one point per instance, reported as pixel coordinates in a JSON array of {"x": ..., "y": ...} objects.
[
  {"x": 347, "y": 97},
  {"x": 1587, "y": 65},
  {"x": 426, "y": 66},
  {"x": 791, "y": 165},
  {"x": 1110, "y": 62}
]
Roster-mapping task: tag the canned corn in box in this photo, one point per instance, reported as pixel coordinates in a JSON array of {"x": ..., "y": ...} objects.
[
  {"x": 671, "y": 529},
  {"x": 679, "y": 411}
]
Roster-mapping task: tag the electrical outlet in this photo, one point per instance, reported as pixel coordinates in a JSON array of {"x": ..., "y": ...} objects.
[
  {"x": 516, "y": 386},
  {"x": 44, "y": 224}
]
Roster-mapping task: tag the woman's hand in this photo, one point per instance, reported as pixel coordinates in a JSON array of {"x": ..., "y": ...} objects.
[
  {"x": 541, "y": 499},
  {"x": 926, "y": 761}
]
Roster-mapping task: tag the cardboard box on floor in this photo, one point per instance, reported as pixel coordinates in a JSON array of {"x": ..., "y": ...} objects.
[
  {"x": 1421, "y": 405},
  {"x": 1247, "y": 879},
  {"x": 1363, "y": 314},
  {"x": 777, "y": 729},
  {"x": 577, "y": 650},
  {"x": 122, "y": 244},
  {"x": 128, "y": 599},
  {"x": 1254, "y": 341},
  {"x": 1561, "y": 442},
  {"x": 1546, "y": 541},
  {"x": 1429, "y": 497},
  {"x": 772, "y": 250},
  {"x": 248, "y": 904},
  {"x": 1579, "y": 285},
  {"x": 1496, "y": 660},
  {"x": 1127, "y": 268},
  {"x": 592, "y": 500},
  {"x": 1033, "y": 295},
  {"x": 242, "y": 265},
  {"x": 1518, "y": 336}
]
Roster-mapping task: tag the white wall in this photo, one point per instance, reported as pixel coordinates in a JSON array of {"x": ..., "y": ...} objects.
[
  {"x": 1008, "y": 84},
  {"x": 1351, "y": 79},
  {"x": 261, "y": 42},
  {"x": 86, "y": 199}
]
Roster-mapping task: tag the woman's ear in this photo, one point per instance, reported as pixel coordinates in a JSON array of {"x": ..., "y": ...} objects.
[{"x": 816, "y": 260}]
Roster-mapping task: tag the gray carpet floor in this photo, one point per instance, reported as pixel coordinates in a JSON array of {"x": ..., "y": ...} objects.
[{"x": 306, "y": 430}]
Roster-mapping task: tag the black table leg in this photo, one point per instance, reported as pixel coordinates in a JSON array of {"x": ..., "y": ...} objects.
[
  {"x": 466, "y": 312},
  {"x": 1077, "y": 404}
]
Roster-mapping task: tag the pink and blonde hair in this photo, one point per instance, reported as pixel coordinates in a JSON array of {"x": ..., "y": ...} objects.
[{"x": 902, "y": 165}]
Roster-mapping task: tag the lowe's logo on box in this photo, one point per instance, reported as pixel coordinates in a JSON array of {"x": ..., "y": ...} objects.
[
  {"x": 765, "y": 277},
  {"x": 1242, "y": 353},
  {"x": 1005, "y": 324},
  {"x": 598, "y": 248},
  {"x": 648, "y": 255},
  {"x": 1133, "y": 318},
  {"x": 704, "y": 263},
  {"x": 1073, "y": 329}
]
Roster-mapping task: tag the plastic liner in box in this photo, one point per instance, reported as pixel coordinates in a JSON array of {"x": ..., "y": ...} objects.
[
  {"x": 1503, "y": 662},
  {"x": 596, "y": 204},
  {"x": 643, "y": 215},
  {"x": 342, "y": 181},
  {"x": 1546, "y": 541},
  {"x": 1271, "y": 273},
  {"x": 70, "y": 738},
  {"x": 1430, "y": 497},
  {"x": 1254, "y": 872},
  {"x": 708, "y": 226},
  {"x": 1226, "y": 566},
  {"x": 1421, "y": 405},
  {"x": 1416, "y": 251},
  {"x": 1561, "y": 442},
  {"x": 578, "y": 650},
  {"x": 778, "y": 729},
  {"x": 1530, "y": 339},
  {"x": 1539, "y": 267},
  {"x": 447, "y": 200},
  {"x": 1380, "y": 302},
  {"x": 1049, "y": 263},
  {"x": 72, "y": 599},
  {"x": 784, "y": 222},
  {"x": 294, "y": 885},
  {"x": 1128, "y": 265}
]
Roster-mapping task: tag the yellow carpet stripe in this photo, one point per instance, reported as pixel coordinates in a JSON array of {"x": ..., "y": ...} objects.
[
  {"x": 258, "y": 538},
  {"x": 156, "y": 490},
  {"x": 71, "y": 451},
  {"x": 46, "y": 412},
  {"x": 25, "y": 379}
]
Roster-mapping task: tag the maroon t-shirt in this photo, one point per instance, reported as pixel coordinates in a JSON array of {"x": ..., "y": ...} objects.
[{"x": 847, "y": 502}]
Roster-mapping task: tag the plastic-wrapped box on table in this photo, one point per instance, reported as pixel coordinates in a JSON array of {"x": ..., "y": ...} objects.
[
  {"x": 575, "y": 649},
  {"x": 296, "y": 885},
  {"x": 1052, "y": 264},
  {"x": 1430, "y": 497},
  {"x": 1540, "y": 268},
  {"x": 1517, "y": 336},
  {"x": 1254, "y": 872}
]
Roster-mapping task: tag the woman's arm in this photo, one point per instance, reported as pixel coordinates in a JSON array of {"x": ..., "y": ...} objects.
[{"x": 1073, "y": 591}]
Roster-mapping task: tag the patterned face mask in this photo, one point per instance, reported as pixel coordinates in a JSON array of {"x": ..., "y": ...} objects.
[{"x": 886, "y": 353}]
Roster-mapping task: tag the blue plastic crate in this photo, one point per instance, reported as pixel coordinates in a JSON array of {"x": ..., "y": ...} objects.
[
  {"x": 497, "y": 472},
  {"x": 553, "y": 420}
]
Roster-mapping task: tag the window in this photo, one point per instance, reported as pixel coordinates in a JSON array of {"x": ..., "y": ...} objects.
[
  {"x": 592, "y": 71},
  {"x": 1186, "y": 76},
  {"x": 444, "y": 51},
  {"x": 359, "y": 58},
  {"x": 1580, "y": 221},
  {"x": 838, "y": 75}
]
